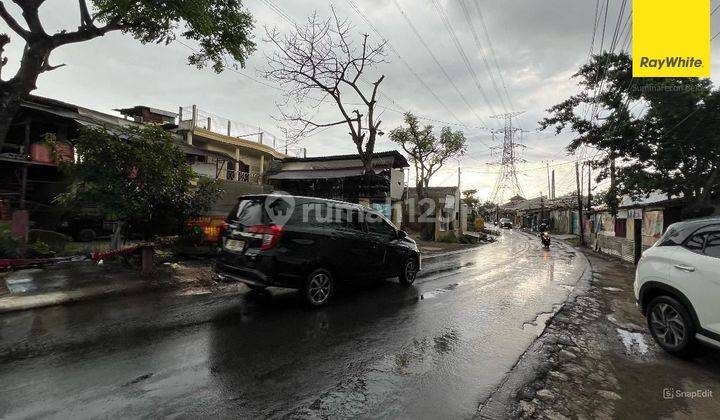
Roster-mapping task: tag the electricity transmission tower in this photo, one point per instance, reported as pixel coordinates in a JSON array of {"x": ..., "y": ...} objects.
[{"x": 507, "y": 180}]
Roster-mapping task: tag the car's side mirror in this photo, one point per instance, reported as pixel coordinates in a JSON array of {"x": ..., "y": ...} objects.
[{"x": 401, "y": 234}]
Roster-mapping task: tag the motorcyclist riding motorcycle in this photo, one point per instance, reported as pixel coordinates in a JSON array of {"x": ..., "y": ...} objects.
[{"x": 544, "y": 230}]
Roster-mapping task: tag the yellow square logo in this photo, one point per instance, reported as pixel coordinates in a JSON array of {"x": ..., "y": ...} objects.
[{"x": 671, "y": 38}]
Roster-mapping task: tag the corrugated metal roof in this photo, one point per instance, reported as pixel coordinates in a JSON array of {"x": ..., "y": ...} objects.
[{"x": 315, "y": 174}]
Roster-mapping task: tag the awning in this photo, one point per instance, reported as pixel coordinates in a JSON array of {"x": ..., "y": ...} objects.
[{"x": 334, "y": 173}]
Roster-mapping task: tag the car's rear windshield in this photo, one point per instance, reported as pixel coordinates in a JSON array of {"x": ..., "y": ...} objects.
[{"x": 248, "y": 212}]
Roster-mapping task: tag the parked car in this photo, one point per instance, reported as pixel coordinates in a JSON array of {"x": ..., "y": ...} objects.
[
  {"x": 85, "y": 226},
  {"x": 505, "y": 223},
  {"x": 677, "y": 286},
  {"x": 321, "y": 244}
]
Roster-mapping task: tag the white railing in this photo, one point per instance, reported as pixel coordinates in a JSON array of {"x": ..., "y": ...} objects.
[{"x": 194, "y": 117}]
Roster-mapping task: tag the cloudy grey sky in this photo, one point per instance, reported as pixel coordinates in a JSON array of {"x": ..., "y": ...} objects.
[{"x": 538, "y": 45}]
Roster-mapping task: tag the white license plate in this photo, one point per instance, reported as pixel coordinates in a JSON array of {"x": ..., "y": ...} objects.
[{"x": 235, "y": 245}]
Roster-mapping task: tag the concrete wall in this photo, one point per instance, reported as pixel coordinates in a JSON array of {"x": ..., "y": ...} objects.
[
  {"x": 397, "y": 183},
  {"x": 560, "y": 221},
  {"x": 231, "y": 191}
]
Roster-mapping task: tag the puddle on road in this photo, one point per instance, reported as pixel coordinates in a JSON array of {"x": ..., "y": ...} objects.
[
  {"x": 437, "y": 292},
  {"x": 634, "y": 342},
  {"x": 22, "y": 281}
]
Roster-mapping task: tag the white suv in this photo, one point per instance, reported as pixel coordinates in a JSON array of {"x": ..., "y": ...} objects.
[{"x": 677, "y": 286}]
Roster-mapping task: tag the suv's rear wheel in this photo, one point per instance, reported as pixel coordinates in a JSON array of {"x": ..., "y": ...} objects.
[
  {"x": 671, "y": 325},
  {"x": 408, "y": 271},
  {"x": 319, "y": 287}
]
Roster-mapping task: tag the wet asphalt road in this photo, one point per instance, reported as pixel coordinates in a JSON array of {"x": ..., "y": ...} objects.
[{"x": 433, "y": 350}]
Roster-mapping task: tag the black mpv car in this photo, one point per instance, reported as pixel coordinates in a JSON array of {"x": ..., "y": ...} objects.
[{"x": 311, "y": 244}]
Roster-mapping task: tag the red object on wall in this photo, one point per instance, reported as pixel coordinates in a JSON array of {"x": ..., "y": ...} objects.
[
  {"x": 41, "y": 152},
  {"x": 65, "y": 152}
]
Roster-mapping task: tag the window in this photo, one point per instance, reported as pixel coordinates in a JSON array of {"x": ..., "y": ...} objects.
[
  {"x": 696, "y": 242},
  {"x": 378, "y": 225},
  {"x": 620, "y": 228},
  {"x": 712, "y": 245},
  {"x": 249, "y": 212},
  {"x": 670, "y": 238},
  {"x": 350, "y": 219}
]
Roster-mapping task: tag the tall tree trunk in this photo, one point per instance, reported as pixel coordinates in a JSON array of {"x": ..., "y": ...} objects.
[
  {"x": 12, "y": 92},
  {"x": 9, "y": 105},
  {"x": 709, "y": 184}
]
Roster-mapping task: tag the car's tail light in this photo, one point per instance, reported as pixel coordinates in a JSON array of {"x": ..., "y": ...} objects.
[{"x": 270, "y": 235}]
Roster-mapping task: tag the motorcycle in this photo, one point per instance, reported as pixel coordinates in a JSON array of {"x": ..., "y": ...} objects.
[{"x": 545, "y": 239}]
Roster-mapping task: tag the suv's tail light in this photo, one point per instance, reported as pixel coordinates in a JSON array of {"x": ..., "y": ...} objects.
[{"x": 270, "y": 235}]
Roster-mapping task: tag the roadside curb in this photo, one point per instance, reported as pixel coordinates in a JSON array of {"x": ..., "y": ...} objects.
[
  {"x": 22, "y": 303},
  {"x": 457, "y": 251}
]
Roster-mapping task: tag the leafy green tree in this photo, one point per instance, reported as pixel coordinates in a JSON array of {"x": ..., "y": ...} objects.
[
  {"x": 672, "y": 147},
  {"x": 427, "y": 151},
  {"x": 607, "y": 89},
  {"x": 470, "y": 200},
  {"x": 679, "y": 151},
  {"x": 220, "y": 27},
  {"x": 487, "y": 210},
  {"x": 140, "y": 176}
]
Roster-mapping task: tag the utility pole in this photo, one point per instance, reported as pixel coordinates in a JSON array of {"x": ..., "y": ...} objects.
[
  {"x": 580, "y": 203},
  {"x": 459, "y": 204},
  {"x": 547, "y": 163},
  {"x": 553, "y": 184},
  {"x": 589, "y": 206},
  {"x": 4, "y": 40},
  {"x": 459, "y": 179},
  {"x": 542, "y": 208}
]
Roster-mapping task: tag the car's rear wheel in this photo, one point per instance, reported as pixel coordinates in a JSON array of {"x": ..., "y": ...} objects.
[
  {"x": 319, "y": 287},
  {"x": 671, "y": 325},
  {"x": 408, "y": 271}
]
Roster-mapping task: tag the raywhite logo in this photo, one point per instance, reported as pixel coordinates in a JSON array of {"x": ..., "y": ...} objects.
[{"x": 279, "y": 206}]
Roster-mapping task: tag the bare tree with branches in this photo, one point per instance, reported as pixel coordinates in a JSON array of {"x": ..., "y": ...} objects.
[{"x": 322, "y": 57}]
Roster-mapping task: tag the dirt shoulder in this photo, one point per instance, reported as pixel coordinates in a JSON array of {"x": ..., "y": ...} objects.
[{"x": 596, "y": 359}]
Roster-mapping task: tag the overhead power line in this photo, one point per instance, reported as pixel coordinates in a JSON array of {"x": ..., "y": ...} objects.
[
  {"x": 463, "y": 56},
  {"x": 480, "y": 50},
  {"x": 435, "y": 60},
  {"x": 412, "y": 71},
  {"x": 493, "y": 55}
]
